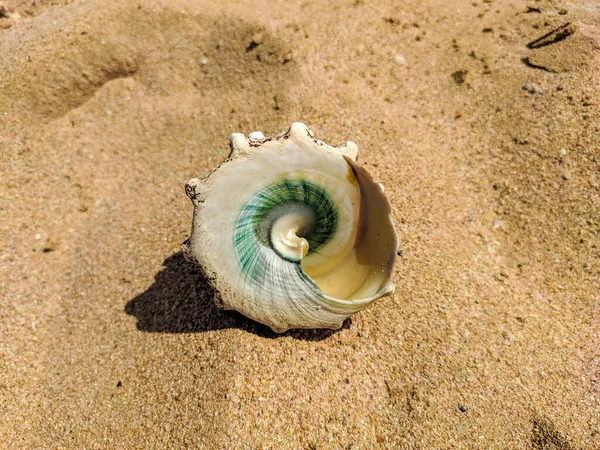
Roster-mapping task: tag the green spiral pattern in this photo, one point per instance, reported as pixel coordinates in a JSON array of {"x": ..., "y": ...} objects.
[{"x": 251, "y": 237}]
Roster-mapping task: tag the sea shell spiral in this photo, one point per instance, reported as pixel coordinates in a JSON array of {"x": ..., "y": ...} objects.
[{"x": 291, "y": 232}]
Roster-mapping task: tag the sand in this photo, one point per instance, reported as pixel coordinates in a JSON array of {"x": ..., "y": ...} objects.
[{"x": 490, "y": 154}]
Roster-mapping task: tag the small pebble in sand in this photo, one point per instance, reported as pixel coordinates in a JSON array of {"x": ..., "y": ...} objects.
[
  {"x": 258, "y": 38},
  {"x": 563, "y": 152},
  {"x": 460, "y": 76},
  {"x": 400, "y": 60},
  {"x": 532, "y": 88}
]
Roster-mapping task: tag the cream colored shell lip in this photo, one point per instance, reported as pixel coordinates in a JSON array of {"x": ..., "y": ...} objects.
[{"x": 292, "y": 232}]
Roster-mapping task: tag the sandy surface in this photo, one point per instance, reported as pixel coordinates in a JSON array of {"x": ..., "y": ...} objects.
[{"x": 490, "y": 154}]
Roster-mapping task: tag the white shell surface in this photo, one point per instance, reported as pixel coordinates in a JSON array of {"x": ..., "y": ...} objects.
[{"x": 292, "y": 232}]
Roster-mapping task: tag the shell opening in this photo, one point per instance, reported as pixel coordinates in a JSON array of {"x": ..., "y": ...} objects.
[
  {"x": 346, "y": 254},
  {"x": 363, "y": 268}
]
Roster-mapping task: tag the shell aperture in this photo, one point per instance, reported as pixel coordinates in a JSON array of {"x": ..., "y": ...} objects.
[{"x": 292, "y": 232}]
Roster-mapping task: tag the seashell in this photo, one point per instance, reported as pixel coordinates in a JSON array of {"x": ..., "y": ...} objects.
[{"x": 291, "y": 232}]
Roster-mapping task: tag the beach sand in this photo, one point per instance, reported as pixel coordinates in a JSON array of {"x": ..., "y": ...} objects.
[{"x": 489, "y": 151}]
